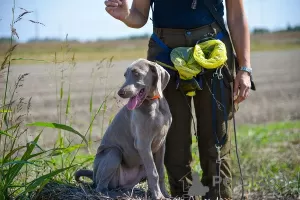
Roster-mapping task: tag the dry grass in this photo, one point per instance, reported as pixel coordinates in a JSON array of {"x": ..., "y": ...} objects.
[
  {"x": 130, "y": 49},
  {"x": 60, "y": 191},
  {"x": 119, "y": 50}
]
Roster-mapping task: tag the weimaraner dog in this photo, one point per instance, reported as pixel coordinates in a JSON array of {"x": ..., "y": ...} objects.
[{"x": 133, "y": 146}]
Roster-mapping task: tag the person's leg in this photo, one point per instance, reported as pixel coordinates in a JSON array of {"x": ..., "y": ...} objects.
[
  {"x": 206, "y": 143},
  {"x": 178, "y": 142}
]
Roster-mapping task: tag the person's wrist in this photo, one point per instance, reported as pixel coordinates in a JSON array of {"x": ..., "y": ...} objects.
[{"x": 247, "y": 69}]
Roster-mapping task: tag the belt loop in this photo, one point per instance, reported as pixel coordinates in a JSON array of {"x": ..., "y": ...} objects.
[
  {"x": 156, "y": 31},
  {"x": 213, "y": 28},
  {"x": 161, "y": 32}
]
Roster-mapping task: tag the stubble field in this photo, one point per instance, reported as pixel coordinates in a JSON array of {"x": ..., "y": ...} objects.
[{"x": 71, "y": 93}]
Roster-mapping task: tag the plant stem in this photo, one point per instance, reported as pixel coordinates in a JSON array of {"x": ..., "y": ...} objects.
[{"x": 8, "y": 70}]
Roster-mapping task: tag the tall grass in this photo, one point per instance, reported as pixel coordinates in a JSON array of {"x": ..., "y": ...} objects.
[
  {"x": 25, "y": 166},
  {"x": 270, "y": 159}
]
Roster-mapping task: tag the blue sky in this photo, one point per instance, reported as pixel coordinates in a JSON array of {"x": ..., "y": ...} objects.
[{"x": 88, "y": 20}]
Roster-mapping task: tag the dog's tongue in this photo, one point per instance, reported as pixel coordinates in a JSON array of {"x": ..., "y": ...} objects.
[{"x": 132, "y": 103}]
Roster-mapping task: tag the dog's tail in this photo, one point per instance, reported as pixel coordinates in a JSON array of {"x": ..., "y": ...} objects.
[{"x": 83, "y": 172}]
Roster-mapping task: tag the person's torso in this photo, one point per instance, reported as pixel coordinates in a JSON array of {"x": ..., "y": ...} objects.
[{"x": 179, "y": 14}]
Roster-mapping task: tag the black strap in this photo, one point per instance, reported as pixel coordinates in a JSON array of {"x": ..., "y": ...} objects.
[
  {"x": 218, "y": 78},
  {"x": 221, "y": 106},
  {"x": 220, "y": 21},
  {"x": 215, "y": 14}
]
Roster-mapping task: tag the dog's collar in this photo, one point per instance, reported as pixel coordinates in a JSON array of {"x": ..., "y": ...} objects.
[{"x": 154, "y": 97}]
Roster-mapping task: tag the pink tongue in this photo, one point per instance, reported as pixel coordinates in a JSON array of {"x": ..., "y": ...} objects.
[{"x": 132, "y": 103}]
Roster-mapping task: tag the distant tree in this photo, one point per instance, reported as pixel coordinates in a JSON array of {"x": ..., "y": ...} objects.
[
  {"x": 43, "y": 40},
  {"x": 136, "y": 37},
  {"x": 50, "y": 40},
  {"x": 291, "y": 29},
  {"x": 4, "y": 40},
  {"x": 260, "y": 30},
  {"x": 297, "y": 28}
]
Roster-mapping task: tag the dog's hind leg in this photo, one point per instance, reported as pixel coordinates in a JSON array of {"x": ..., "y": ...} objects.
[{"x": 106, "y": 167}]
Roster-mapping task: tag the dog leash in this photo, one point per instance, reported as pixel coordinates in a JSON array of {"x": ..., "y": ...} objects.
[
  {"x": 218, "y": 76},
  {"x": 218, "y": 147}
]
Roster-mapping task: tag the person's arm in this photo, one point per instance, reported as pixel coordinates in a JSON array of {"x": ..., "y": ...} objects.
[
  {"x": 135, "y": 17},
  {"x": 238, "y": 28}
]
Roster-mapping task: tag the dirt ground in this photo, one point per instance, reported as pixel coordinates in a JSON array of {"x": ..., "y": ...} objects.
[{"x": 276, "y": 74}]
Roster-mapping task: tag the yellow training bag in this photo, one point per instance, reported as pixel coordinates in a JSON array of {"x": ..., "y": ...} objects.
[
  {"x": 210, "y": 54},
  {"x": 184, "y": 62},
  {"x": 190, "y": 61}
]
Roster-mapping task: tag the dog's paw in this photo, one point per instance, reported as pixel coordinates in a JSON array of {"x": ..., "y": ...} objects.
[
  {"x": 159, "y": 196},
  {"x": 166, "y": 195},
  {"x": 103, "y": 191},
  {"x": 164, "y": 191}
]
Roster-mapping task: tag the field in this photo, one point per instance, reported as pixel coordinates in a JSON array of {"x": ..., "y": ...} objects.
[
  {"x": 129, "y": 49},
  {"x": 70, "y": 90}
]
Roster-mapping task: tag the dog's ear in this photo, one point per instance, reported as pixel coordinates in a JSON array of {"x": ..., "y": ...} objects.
[{"x": 162, "y": 75}]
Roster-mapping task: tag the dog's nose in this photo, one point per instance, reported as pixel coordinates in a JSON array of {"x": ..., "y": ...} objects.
[{"x": 121, "y": 93}]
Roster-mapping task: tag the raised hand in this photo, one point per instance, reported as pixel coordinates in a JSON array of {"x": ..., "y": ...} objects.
[{"x": 117, "y": 8}]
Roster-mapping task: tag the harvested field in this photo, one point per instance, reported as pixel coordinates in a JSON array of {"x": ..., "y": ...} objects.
[
  {"x": 128, "y": 49},
  {"x": 276, "y": 75},
  {"x": 84, "y": 86}
]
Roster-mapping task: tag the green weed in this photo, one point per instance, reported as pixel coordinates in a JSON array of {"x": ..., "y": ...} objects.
[{"x": 25, "y": 166}]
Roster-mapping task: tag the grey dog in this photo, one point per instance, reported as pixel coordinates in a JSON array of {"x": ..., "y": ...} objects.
[{"x": 133, "y": 146}]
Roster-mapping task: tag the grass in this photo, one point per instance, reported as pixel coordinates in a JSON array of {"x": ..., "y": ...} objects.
[
  {"x": 129, "y": 49},
  {"x": 25, "y": 166},
  {"x": 269, "y": 155},
  {"x": 270, "y": 160},
  {"x": 120, "y": 50}
]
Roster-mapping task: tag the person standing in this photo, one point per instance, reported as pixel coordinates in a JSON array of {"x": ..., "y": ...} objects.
[{"x": 178, "y": 23}]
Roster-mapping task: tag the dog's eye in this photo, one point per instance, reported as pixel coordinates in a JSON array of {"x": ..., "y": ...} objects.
[{"x": 135, "y": 73}]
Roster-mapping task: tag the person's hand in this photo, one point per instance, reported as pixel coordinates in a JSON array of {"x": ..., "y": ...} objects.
[
  {"x": 242, "y": 86},
  {"x": 117, "y": 8}
]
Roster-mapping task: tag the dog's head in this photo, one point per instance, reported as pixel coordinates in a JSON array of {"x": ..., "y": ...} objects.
[{"x": 143, "y": 79}]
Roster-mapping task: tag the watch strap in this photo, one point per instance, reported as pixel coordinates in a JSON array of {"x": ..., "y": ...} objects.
[{"x": 246, "y": 69}]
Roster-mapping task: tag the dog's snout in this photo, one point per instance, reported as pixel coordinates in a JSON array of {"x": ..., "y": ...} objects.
[{"x": 122, "y": 92}]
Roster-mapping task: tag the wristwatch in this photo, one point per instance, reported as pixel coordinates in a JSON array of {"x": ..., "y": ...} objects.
[{"x": 247, "y": 69}]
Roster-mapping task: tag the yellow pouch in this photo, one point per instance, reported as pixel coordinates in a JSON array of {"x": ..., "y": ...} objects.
[
  {"x": 210, "y": 54},
  {"x": 184, "y": 62},
  {"x": 190, "y": 61}
]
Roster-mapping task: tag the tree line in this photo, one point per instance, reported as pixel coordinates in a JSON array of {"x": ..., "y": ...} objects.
[{"x": 257, "y": 30}]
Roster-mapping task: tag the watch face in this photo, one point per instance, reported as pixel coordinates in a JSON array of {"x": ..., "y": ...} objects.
[{"x": 247, "y": 69}]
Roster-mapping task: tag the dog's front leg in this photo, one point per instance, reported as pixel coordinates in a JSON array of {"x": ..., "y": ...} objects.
[
  {"x": 159, "y": 162},
  {"x": 150, "y": 168}
]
